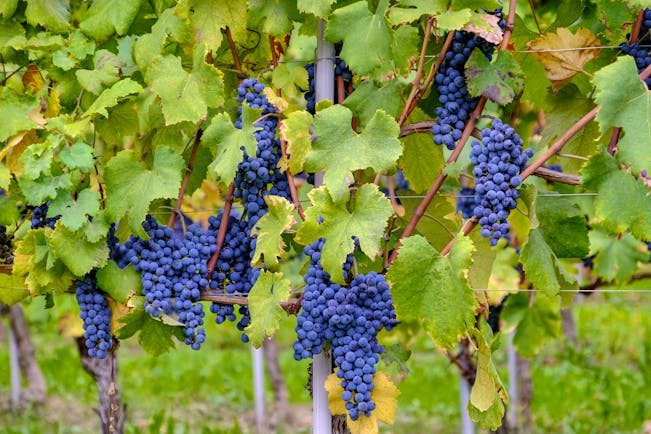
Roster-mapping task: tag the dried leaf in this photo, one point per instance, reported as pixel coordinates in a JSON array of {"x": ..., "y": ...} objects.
[
  {"x": 33, "y": 78},
  {"x": 556, "y": 53},
  {"x": 486, "y": 26}
]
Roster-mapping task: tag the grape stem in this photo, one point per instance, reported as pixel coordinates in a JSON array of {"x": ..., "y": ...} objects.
[
  {"x": 418, "y": 88},
  {"x": 186, "y": 178},
  {"x": 236, "y": 58},
  {"x": 223, "y": 227},
  {"x": 292, "y": 186},
  {"x": 557, "y": 146}
]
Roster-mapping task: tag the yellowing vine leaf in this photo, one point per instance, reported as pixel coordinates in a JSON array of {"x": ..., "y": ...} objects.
[
  {"x": 561, "y": 62},
  {"x": 486, "y": 26},
  {"x": 269, "y": 291},
  {"x": 269, "y": 229},
  {"x": 385, "y": 395}
]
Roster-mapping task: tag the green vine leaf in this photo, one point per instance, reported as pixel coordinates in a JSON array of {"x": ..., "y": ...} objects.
[
  {"x": 75, "y": 212},
  {"x": 12, "y": 289},
  {"x": 130, "y": 187},
  {"x": 320, "y": 8},
  {"x": 269, "y": 291},
  {"x": 225, "y": 141},
  {"x": 35, "y": 258},
  {"x": 15, "y": 111},
  {"x": 154, "y": 336},
  {"x": 365, "y": 218},
  {"x": 535, "y": 322},
  {"x": 77, "y": 156},
  {"x": 444, "y": 302},
  {"x": 207, "y": 18},
  {"x": 51, "y": 14},
  {"x": 617, "y": 257},
  {"x": 110, "y": 97},
  {"x": 563, "y": 226},
  {"x": 105, "y": 17},
  {"x": 275, "y": 15},
  {"x": 269, "y": 245},
  {"x": 106, "y": 72},
  {"x": 499, "y": 80},
  {"x": 339, "y": 150},
  {"x": 77, "y": 253},
  {"x": 543, "y": 268},
  {"x": 625, "y": 105},
  {"x": 368, "y": 37},
  {"x": 121, "y": 284}
]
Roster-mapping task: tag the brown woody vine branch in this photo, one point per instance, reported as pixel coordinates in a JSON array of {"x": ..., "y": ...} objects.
[
  {"x": 186, "y": 178},
  {"x": 223, "y": 227}
]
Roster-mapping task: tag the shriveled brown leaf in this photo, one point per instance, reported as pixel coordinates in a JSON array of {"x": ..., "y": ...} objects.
[
  {"x": 486, "y": 26},
  {"x": 563, "y": 54}
]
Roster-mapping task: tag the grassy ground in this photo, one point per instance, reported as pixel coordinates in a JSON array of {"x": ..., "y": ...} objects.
[{"x": 599, "y": 385}]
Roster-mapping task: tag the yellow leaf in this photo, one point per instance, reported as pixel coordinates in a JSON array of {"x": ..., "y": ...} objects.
[
  {"x": 558, "y": 56},
  {"x": 385, "y": 395},
  {"x": 117, "y": 311},
  {"x": 70, "y": 325},
  {"x": 276, "y": 100},
  {"x": 15, "y": 148},
  {"x": 53, "y": 104}
]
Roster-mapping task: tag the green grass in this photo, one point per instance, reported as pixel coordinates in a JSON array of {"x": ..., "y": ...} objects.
[{"x": 598, "y": 386}]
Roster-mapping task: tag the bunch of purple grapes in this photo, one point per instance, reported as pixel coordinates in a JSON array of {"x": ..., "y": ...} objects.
[
  {"x": 350, "y": 318},
  {"x": 96, "y": 315},
  {"x": 39, "y": 218},
  {"x": 173, "y": 272},
  {"x": 641, "y": 50},
  {"x": 456, "y": 102},
  {"x": 498, "y": 162}
]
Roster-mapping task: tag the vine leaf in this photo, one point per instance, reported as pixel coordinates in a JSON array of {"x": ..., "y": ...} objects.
[
  {"x": 269, "y": 291},
  {"x": 365, "y": 218},
  {"x": 616, "y": 191},
  {"x": 384, "y": 395},
  {"x": 499, "y": 80},
  {"x": 120, "y": 284},
  {"x": 420, "y": 161},
  {"x": 535, "y": 321},
  {"x": 617, "y": 257},
  {"x": 560, "y": 63},
  {"x": 35, "y": 258},
  {"x": 295, "y": 130},
  {"x": 339, "y": 150},
  {"x": 104, "y": 17},
  {"x": 74, "y": 212},
  {"x": 77, "y": 253},
  {"x": 226, "y": 141},
  {"x": 130, "y": 187},
  {"x": 269, "y": 245},
  {"x": 444, "y": 302},
  {"x": 368, "y": 98},
  {"x": 491, "y": 418},
  {"x": 78, "y": 156},
  {"x": 150, "y": 45},
  {"x": 563, "y": 226},
  {"x": 185, "y": 96},
  {"x": 543, "y": 268},
  {"x": 15, "y": 111},
  {"x": 109, "y": 97},
  {"x": 276, "y": 14},
  {"x": 154, "y": 336},
  {"x": 51, "y": 14},
  {"x": 106, "y": 72},
  {"x": 12, "y": 289},
  {"x": 368, "y": 37},
  {"x": 320, "y": 8},
  {"x": 208, "y": 17},
  {"x": 488, "y": 386},
  {"x": 625, "y": 105}
]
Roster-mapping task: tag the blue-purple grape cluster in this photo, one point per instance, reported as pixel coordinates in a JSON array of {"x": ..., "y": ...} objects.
[
  {"x": 96, "y": 315},
  {"x": 641, "y": 50},
  {"x": 498, "y": 161},
  {"x": 39, "y": 218},
  {"x": 341, "y": 70},
  {"x": 257, "y": 176},
  {"x": 466, "y": 202},
  {"x": 355, "y": 317},
  {"x": 350, "y": 318},
  {"x": 456, "y": 102},
  {"x": 173, "y": 272}
]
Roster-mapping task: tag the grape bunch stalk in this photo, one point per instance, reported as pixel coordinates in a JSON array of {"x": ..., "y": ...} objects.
[{"x": 498, "y": 162}]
